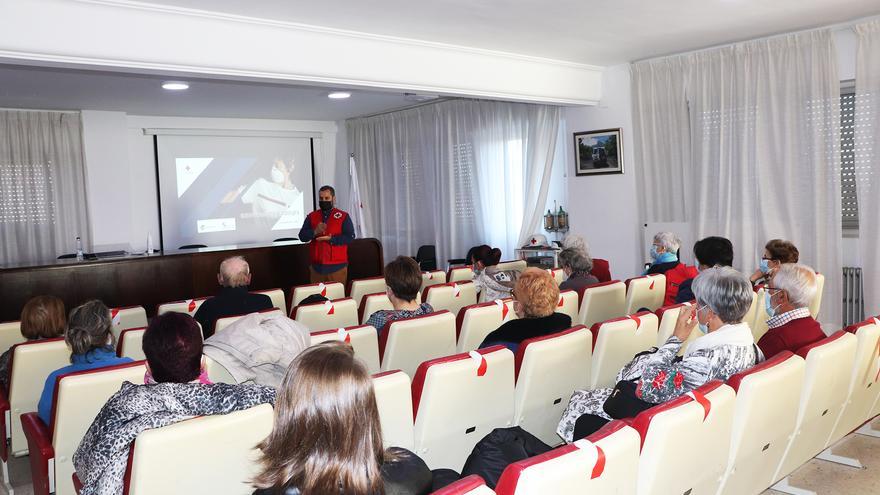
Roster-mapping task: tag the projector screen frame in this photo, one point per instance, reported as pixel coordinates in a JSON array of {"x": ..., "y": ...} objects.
[{"x": 155, "y": 133}]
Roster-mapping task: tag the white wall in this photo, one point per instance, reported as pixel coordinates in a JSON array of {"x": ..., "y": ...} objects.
[
  {"x": 603, "y": 207},
  {"x": 121, "y": 169}
]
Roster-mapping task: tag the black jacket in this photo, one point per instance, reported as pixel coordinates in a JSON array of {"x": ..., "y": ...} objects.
[
  {"x": 231, "y": 301},
  {"x": 512, "y": 333},
  {"x": 685, "y": 292}
]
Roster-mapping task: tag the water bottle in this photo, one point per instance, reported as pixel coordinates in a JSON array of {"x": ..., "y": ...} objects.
[{"x": 79, "y": 249}]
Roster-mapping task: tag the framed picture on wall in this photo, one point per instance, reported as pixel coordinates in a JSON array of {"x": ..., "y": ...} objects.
[{"x": 598, "y": 152}]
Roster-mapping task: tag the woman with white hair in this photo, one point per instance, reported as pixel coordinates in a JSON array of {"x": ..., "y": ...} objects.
[
  {"x": 787, "y": 298},
  {"x": 726, "y": 347},
  {"x": 664, "y": 256}
]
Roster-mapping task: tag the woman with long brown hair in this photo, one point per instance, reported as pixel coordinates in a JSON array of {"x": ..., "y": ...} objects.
[{"x": 327, "y": 438}]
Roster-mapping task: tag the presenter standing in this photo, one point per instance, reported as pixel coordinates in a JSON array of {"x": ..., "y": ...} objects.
[{"x": 329, "y": 231}]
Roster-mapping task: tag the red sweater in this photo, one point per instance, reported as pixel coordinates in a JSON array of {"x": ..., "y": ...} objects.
[{"x": 791, "y": 336}]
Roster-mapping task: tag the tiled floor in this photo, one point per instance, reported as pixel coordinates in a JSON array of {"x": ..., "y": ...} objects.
[{"x": 822, "y": 477}]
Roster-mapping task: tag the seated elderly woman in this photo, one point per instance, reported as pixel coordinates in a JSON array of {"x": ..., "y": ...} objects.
[
  {"x": 576, "y": 265},
  {"x": 43, "y": 317},
  {"x": 91, "y": 346},
  {"x": 534, "y": 300},
  {"x": 777, "y": 252},
  {"x": 664, "y": 256},
  {"x": 725, "y": 348},
  {"x": 403, "y": 279},
  {"x": 491, "y": 282},
  {"x": 787, "y": 298},
  {"x": 175, "y": 388}
]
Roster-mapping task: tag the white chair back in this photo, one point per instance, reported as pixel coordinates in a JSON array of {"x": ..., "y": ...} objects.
[
  {"x": 130, "y": 344},
  {"x": 645, "y": 292},
  {"x": 277, "y": 297},
  {"x": 363, "y": 339},
  {"x": 515, "y": 265},
  {"x": 816, "y": 303},
  {"x": 125, "y": 318},
  {"x": 568, "y": 304},
  {"x": 602, "y": 302},
  {"x": 433, "y": 277},
  {"x": 364, "y": 286},
  {"x": 451, "y": 297},
  {"x": 548, "y": 369},
  {"x": 476, "y": 321},
  {"x": 759, "y": 326},
  {"x": 405, "y": 344},
  {"x": 863, "y": 385},
  {"x": 330, "y": 290},
  {"x": 460, "y": 274},
  {"x": 327, "y": 315},
  {"x": 394, "y": 401},
  {"x": 217, "y": 373},
  {"x": 458, "y": 400},
  {"x": 224, "y": 322},
  {"x": 557, "y": 274},
  {"x": 186, "y": 306},
  {"x": 616, "y": 342},
  {"x": 10, "y": 334},
  {"x": 371, "y": 303}
]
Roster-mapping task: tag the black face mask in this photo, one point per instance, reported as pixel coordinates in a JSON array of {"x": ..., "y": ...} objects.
[{"x": 325, "y": 205}]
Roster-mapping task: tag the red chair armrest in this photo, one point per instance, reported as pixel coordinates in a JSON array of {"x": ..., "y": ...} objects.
[
  {"x": 77, "y": 484},
  {"x": 4, "y": 431},
  {"x": 40, "y": 449}
]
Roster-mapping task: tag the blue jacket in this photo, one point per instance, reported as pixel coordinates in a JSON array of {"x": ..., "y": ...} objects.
[{"x": 96, "y": 358}]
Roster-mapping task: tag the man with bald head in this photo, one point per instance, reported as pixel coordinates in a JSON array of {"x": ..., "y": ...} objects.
[{"x": 234, "y": 298}]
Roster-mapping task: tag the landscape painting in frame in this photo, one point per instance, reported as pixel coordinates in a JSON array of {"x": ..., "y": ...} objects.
[{"x": 598, "y": 152}]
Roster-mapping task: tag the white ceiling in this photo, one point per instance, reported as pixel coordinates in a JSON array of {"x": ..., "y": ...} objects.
[
  {"x": 67, "y": 89},
  {"x": 603, "y": 33}
]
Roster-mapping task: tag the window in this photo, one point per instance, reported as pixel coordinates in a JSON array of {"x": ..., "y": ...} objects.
[
  {"x": 463, "y": 168},
  {"x": 849, "y": 198}
]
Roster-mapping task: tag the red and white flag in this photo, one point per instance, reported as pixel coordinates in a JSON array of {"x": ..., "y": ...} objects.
[{"x": 356, "y": 203}]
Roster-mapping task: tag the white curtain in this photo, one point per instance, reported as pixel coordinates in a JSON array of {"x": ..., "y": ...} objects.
[
  {"x": 455, "y": 174},
  {"x": 867, "y": 143},
  {"x": 764, "y": 163},
  {"x": 42, "y": 186}
]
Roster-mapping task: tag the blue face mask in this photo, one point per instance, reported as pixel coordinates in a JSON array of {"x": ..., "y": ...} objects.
[
  {"x": 654, "y": 253},
  {"x": 704, "y": 327},
  {"x": 768, "y": 306},
  {"x": 764, "y": 266}
]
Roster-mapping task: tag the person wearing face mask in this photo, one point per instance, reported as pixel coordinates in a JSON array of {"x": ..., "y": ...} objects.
[
  {"x": 576, "y": 267},
  {"x": 777, "y": 252},
  {"x": 723, "y": 297},
  {"x": 787, "y": 299},
  {"x": 664, "y": 256},
  {"x": 534, "y": 300},
  {"x": 329, "y": 231},
  {"x": 709, "y": 252},
  {"x": 277, "y": 201},
  {"x": 489, "y": 281}
]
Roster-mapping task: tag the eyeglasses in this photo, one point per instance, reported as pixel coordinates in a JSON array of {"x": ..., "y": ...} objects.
[{"x": 773, "y": 290}]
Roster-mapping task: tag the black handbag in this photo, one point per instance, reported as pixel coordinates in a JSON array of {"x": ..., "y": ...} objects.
[{"x": 623, "y": 403}]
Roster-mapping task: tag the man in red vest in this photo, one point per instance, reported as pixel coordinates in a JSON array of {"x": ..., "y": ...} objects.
[{"x": 329, "y": 232}]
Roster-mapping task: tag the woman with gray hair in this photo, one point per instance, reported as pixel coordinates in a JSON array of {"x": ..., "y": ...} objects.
[
  {"x": 91, "y": 346},
  {"x": 576, "y": 265},
  {"x": 726, "y": 347},
  {"x": 787, "y": 298}
]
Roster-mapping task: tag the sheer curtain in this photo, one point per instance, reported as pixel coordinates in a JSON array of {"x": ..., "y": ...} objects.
[
  {"x": 455, "y": 174},
  {"x": 42, "y": 186},
  {"x": 763, "y": 163},
  {"x": 867, "y": 142}
]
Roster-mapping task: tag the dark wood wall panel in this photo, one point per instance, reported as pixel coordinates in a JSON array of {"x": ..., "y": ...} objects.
[{"x": 150, "y": 281}]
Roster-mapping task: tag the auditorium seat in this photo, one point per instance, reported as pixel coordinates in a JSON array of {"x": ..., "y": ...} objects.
[
  {"x": 645, "y": 292},
  {"x": 568, "y": 304},
  {"x": 394, "y": 401},
  {"x": 605, "y": 462},
  {"x": 759, "y": 325},
  {"x": 10, "y": 334},
  {"x": 433, "y": 277},
  {"x": 685, "y": 442},
  {"x": 325, "y": 315},
  {"x": 602, "y": 302},
  {"x": 816, "y": 303},
  {"x": 469, "y": 485},
  {"x": 371, "y": 303},
  {"x": 451, "y": 297},
  {"x": 405, "y": 344},
  {"x": 130, "y": 344},
  {"x": 224, "y": 322},
  {"x": 668, "y": 315},
  {"x": 515, "y": 265},
  {"x": 547, "y": 370},
  {"x": 79, "y": 396},
  {"x": 749, "y": 318},
  {"x": 29, "y": 365},
  {"x": 217, "y": 373},
  {"x": 557, "y": 274},
  {"x": 828, "y": 367},
  {"x": 459, "y": 399},
  {"x": 187, "y": 306},
  {"x": 330, "y": 290},
  {"x": 230, "y": 458},
  {"x": 277, "y": 297},
  {"x": 125, "y": 318},
  {"x": 460, "y": 274},
  {"x": 863, "y": 387},
  {"x": 362, "y": 338},
  {"x": 767, "y": 397},
  {"x": 476, "y": 321},
  {"x": 616, "y": 341},
  {"x": 601, "y": 270},
  {"x": 361, "y": 287}
]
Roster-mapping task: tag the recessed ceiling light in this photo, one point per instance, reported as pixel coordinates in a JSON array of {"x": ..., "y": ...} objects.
[
  {"x": 175, "y": 85},
  {"x": 339, "y": 95}
]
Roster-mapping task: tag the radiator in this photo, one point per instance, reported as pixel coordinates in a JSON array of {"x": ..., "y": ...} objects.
[{"x": 853, "y": 296}]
